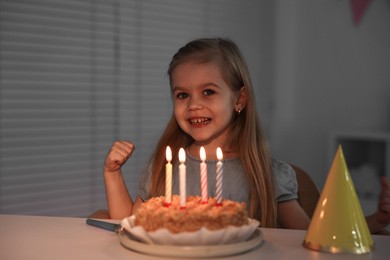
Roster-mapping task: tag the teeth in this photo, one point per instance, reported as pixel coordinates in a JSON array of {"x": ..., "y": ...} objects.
[{"x": 199, "y": 120}]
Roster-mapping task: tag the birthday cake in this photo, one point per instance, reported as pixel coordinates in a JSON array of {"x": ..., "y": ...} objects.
[{"x": 154, "y": 214}]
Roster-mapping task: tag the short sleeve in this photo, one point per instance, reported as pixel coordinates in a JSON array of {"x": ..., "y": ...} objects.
[
  {"x": 143, "y": 184},
  {"x": 286, "y": 187}
]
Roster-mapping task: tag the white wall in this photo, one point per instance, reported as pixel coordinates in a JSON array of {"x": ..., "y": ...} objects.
[{"x": 329, "y": 75}]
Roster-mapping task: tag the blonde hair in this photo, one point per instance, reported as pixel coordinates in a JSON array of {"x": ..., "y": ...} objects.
[{"x": 247, "y": 135}]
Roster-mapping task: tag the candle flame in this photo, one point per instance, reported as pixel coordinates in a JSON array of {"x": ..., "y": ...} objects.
[
  {"x": 202, "y": 154},
  {"x": 168, "y": 154},
  {"x": 182, "y": 155},
  {"x": 219, "y": 154}
]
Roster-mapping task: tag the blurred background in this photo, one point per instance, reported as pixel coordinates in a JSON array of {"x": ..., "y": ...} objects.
[{"x": 76, "y": 75}]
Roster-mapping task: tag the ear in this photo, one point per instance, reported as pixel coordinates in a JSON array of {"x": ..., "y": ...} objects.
[{"x": 241, "y": 100}]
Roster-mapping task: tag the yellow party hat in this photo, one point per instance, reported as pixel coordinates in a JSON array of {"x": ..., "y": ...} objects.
[{"x": 338, "y": 224}]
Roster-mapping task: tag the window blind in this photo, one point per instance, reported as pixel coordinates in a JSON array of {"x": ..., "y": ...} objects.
[{"x": 75, "y": 75}]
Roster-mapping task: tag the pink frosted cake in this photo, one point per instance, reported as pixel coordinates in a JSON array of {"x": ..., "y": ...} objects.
[{"x": 153, "y": 214}]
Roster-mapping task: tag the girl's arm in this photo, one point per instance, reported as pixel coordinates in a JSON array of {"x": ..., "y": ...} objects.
[
  {"x": 378, "y": 221},
  {"x": 120, "y": 204},
  {"x": 292, "y": 216}
]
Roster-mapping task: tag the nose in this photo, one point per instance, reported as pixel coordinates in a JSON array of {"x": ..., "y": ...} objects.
[{"x": 195, "y": 103}]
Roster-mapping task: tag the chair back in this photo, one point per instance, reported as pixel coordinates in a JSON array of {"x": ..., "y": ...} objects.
[{"x": 308, "y": 193}]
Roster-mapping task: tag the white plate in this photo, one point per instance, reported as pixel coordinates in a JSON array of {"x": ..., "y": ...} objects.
[
  {"x": 201, "y": 237},
  {"x": 128, "y": 241}
]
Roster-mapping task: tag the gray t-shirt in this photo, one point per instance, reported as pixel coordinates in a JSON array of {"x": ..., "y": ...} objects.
[{"x": 235, "y": 185}]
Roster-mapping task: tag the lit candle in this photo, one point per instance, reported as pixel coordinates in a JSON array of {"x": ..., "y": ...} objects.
[
  {"x": 203, "y": 175},
  {"x": 219, "y": 173},
  {"x": 182, "y": 176},
  {"x": 168, "y": 177}
]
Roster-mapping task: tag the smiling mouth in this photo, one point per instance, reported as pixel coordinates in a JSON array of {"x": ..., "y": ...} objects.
[{"x": 200, "y": 121}]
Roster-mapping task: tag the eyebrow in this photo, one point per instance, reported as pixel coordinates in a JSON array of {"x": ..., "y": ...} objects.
[
  {"x": 210, "y": 84},
  {"x": 175, "y": 88}
]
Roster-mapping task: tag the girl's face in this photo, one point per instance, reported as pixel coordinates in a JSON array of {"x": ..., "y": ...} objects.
[{"x": 204, "y": 104}]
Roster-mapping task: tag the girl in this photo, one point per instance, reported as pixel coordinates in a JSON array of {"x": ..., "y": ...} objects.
[{"x": 214, "y": 107}]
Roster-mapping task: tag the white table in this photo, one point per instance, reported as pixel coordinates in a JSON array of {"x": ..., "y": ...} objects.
[{"x": 34, "y": 237}]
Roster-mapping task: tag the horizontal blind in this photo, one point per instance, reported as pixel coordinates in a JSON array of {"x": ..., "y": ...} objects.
[
  {"x": 59, "y": 71},
  {"x": 75, "y": 75}
]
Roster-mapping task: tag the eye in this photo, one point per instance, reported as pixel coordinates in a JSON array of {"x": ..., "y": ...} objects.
[
  {"x": 181, "y": 95},
  {"x": 208, "y": 92}
]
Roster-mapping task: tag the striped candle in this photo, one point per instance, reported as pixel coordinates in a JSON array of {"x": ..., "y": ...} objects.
[
  {"x": 203, "y": 175},
  {"x": 219, "y": 175},
  {"x": 182, "y": 177}
]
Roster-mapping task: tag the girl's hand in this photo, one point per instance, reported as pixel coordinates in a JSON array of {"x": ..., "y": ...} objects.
[{"x": 119, "y": 153}]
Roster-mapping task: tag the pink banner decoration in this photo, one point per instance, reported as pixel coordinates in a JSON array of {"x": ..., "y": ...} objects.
[{"x": 358, "y": 9}]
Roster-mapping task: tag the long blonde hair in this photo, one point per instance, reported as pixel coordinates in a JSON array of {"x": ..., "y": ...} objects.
[{"x": 247, "y": 135}]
